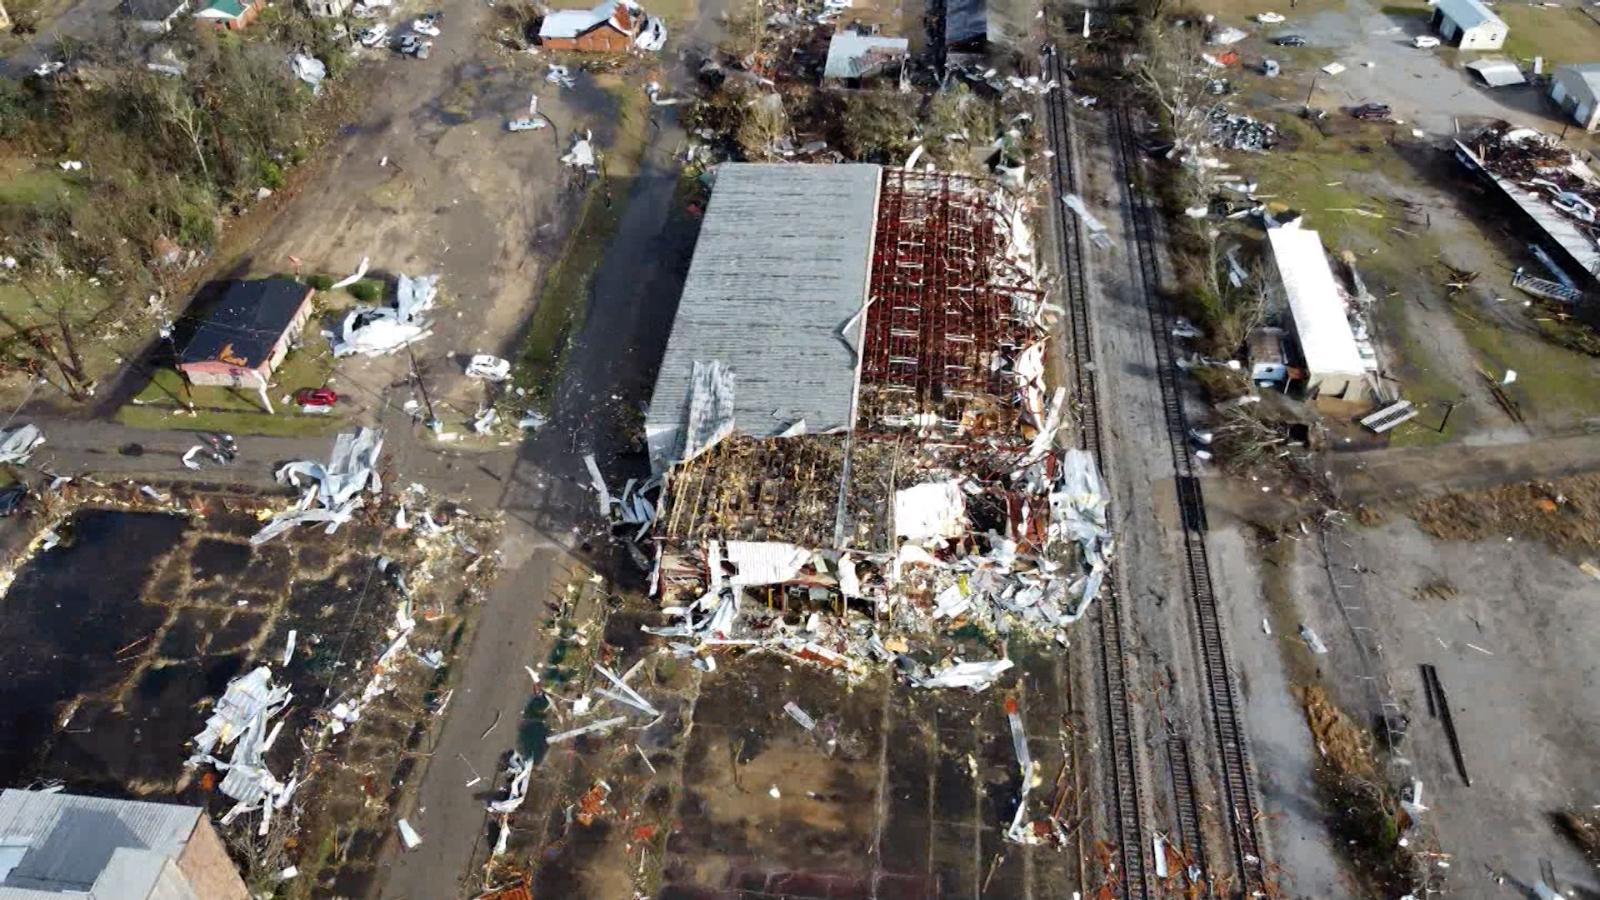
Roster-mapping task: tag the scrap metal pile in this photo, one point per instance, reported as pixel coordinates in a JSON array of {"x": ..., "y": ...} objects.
[
  {"x": 1240, "y": 132},
  {"x": 1539, "y": 164},
  {"x": 948, "y": 505},
  {"x": 332, "y": 491}
]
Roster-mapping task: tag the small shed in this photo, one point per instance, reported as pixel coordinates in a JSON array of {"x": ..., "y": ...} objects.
[
  {"x": 1576, "y": 89},
  {"x": 1335, "y": 366},
  {"x": 154, "y": 16},
  {"x": 230, "y": 14},
  {"x": 1469, "y": 24},
  {"x": 244, "y": 336},
  {"x": 609, "y": 27},
  {"x": 853, "y": 57}
]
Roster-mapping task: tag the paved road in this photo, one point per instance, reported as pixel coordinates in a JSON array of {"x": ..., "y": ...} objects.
[{"x": 550, "y": 520}]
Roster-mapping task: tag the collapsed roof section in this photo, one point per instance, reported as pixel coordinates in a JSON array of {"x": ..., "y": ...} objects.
[
  {"x": 946, "y": 496},
  {"x": 954, "y": 307}
]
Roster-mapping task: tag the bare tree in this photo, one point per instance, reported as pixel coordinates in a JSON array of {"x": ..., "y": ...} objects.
[{"x": 1178, "y": 79}]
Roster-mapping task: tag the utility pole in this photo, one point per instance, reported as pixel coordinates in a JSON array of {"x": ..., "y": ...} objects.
[{"x": 416, "y": 376}]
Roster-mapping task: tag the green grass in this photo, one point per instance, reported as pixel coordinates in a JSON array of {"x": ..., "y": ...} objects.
[
  {"x": 259, "y": 423},
  {"x": 1555, "y": 387},
  {"x": 1560, "y": 35},
  {"x": 564, "y": 296},
  {"x": 37, "y": 187},
  {"x": 160, "y": 404}
]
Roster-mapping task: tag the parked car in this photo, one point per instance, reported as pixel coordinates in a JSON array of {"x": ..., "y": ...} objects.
[
  {"x": 1370, "y": 111},
  {"x": 374, "y": 36},
  {"x": 1289, "y": 40},
  {"x": 1424, "y": 42},
  {"x": 316, "y": 397}
]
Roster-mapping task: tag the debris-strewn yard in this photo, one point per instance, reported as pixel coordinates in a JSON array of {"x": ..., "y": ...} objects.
[
  {"x": 145, "y": 605},
  {"x": 1565, "y": 514}
]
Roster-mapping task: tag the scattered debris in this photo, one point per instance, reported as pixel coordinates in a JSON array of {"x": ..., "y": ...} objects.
[
  {"x": 240, "y": 718},
  {"x": 378, "y": 330},
  {"x": 17, "y": 444},
  {"x": 800, "y": 716},
  {"x": 408, "y": 835},
  {"x": 332, "y": 491}
]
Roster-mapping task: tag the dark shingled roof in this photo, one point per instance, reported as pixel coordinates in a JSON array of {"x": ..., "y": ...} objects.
[{"x": 243, "y": 326}]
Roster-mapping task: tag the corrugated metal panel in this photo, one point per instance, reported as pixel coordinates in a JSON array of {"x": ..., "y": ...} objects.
[
  {"x": 72, "y": 838},
  {"x": 779, "y": 269}
]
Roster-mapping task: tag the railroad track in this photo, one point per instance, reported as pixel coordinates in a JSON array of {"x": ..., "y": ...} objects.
[
  {"x": 1123, "y": 769},
  {"x": 1232, "y": 748}
]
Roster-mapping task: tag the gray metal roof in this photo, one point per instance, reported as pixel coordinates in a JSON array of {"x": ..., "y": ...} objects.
[
  {"x": 71, "y": 839},
  {"x": 779, "y": 270},
  {"x": 1586, "y": 74},
  {"x": 1469, "y": 13}
]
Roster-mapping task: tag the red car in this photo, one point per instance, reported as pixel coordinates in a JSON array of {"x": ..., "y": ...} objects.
[{"x": 316, "y": 397}]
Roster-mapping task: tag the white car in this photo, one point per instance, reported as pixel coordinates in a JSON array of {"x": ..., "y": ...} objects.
[
  {"x": 1425, "y": 42},
  {"x": 423, "y": 26},
  {"x": 526, "y": 123},
  {"x": 46, "y": 69},
  {"x": 374, "y": 36},
  {"x": 1271, "y": 18}
]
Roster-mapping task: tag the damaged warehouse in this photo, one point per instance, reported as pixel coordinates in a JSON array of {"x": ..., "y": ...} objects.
[{"x": 881, "y": 444}]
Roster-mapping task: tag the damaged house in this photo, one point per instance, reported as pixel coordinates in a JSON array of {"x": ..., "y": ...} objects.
[
  {"x": 612, "y": 26},
  {"x": 245, "y": 335},
  {"x": 852, "y": 408}
]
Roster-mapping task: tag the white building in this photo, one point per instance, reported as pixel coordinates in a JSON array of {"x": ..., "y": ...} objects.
[
  {"x": 1335, "y": 366},
  {"x": 1576, "y": 89},
  {"x": 1469, "y": 24}
]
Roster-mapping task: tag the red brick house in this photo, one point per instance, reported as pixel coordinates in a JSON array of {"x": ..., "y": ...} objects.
[
  {"x": 229, "y": 14},
  {"x": 245, "y": 335},
  {"x": 610, "y": 27}
]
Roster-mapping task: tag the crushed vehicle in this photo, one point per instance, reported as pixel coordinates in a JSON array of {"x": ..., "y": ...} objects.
[
  {"x": 526, "y": 123},
  {"x": 374, "y": 36},
  {"x": 425, "y": 26}
]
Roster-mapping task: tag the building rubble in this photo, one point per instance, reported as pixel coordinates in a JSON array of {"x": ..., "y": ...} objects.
[
  {"x": 377, "y": 330},
  {"x": 332, "y": 492},
  {"x": 947, "y": 506}
]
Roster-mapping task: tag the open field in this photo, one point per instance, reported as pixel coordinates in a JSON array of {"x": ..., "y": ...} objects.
[{"x": 1561, "y": 34}]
